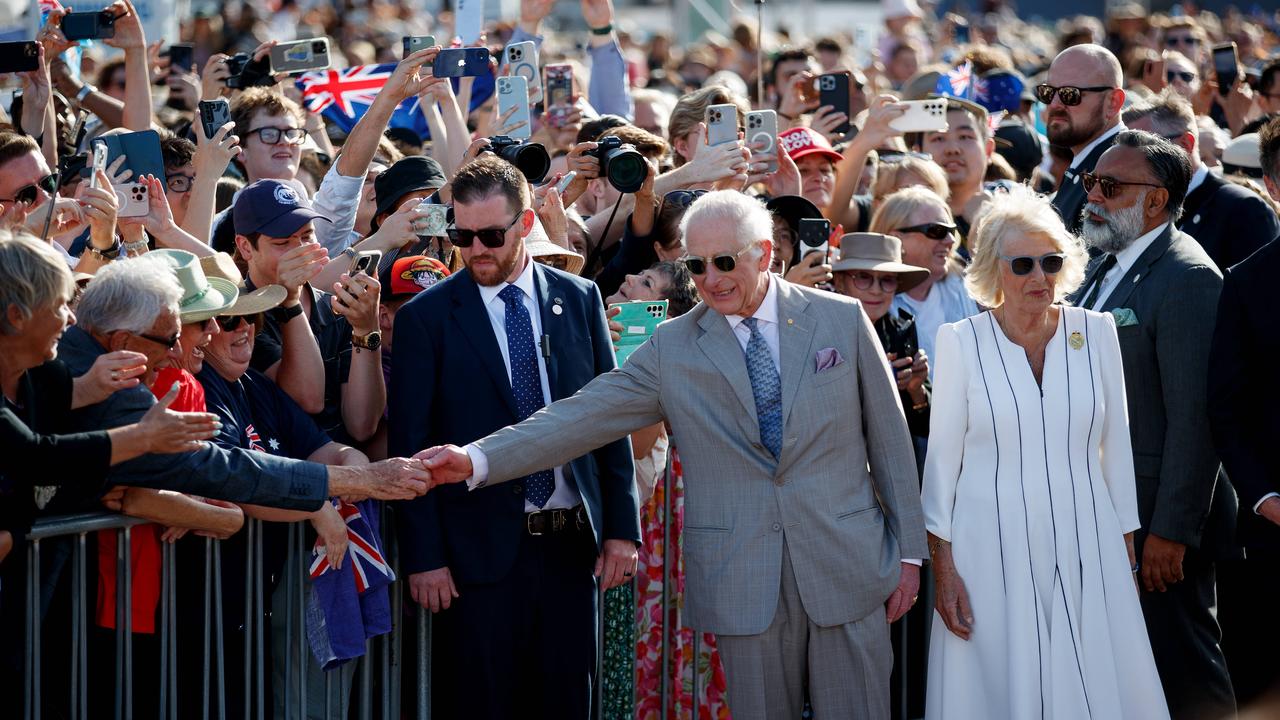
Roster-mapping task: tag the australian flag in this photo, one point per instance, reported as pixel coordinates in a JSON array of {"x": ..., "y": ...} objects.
[
  {"x": 348, "y": 606},
  {"x": 343, "y": 96},
  {"x": 997, "y": 90}
]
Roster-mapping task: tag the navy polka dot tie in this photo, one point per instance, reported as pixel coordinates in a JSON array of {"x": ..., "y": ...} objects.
[
  {"x": 766, "y": 387},
  {"x": 526, "y": 382}
]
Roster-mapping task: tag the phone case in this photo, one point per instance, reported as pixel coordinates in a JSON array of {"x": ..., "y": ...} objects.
[
  {"x": 461, "y": 62},
  {"x": 182, "y": 55},
  {"x": 639, "y": 320},
  {"x": 213, "y": 115},
  {"x": 813, "y": 235},
  {"x": 96, "y": 25},
  {"x": 141, "y": 151},
  {"x": 366, "y": 262},
  {"x": 16, "y": 57},
  {"x": 922, "y": 116},
  {"x": 513, "y": 92},
  {"x": 300, "y": 56},
  {"x": 559, "y": 93},
  {"x": 722, "y": 124},
  {"x": 435, "y": 224},
  {"x": 413, "y": 43},
  {"x": 522, "y": 58},
  {"x": 566, "y": 181},
  {"x": 133, "y": 199},
  {"x": 469, "y": 17},
  {"x": 762, "y": 130},
  {"x": 833, "y": 90}
]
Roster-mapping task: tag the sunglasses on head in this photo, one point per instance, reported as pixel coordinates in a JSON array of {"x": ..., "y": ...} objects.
[
  {"x": 682, "y": 198},
  {"x": 1050, "y": 263},
  {"x": 933, "y": 231},
  {"x": 492, "y": 238},
  {"x": 30, "y": 193},
  {"x": 1186, "y": 77},
  {"x": 725, "y": 262},
  {"x": 1068, "y": 94},
  {"x": 1110, "y": 186}
]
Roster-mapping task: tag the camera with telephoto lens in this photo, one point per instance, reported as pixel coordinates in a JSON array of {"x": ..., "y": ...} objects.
[
  {"x": 621, "y": 163},
  {"x": 243, "y": 72},
  {"x": 530, "y": 158}
]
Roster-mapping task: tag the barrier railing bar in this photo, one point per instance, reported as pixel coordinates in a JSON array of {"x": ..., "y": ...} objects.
[
  {"x": 77, "y": 606},
  {"x": 208, "y": 625},
  {"x": 125, "y": 541},
  {"x": 220, "y": 664},
  {"x": 166, "y": 556},
  {"x": 259, "y": 574},
  {"x": 289, "y": 580},
  {"x": 366, "y": 681},
  {"x": 300, "y": 583},
  {"x": 424, "y": 664},
  {"x": 251, "y": 528},
  {"x": 34, "y": 638}
]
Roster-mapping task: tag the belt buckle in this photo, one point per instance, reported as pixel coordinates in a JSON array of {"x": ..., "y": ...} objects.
[
  {"x": 557, "y": 520},
  {"x": 528, "y": 525}
]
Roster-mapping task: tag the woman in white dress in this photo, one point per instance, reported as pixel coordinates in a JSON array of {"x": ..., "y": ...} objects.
[{"x": 1029, "y": 493}]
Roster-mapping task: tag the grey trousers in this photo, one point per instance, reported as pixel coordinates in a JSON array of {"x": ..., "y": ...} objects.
[{"x": 845, "y": 667}]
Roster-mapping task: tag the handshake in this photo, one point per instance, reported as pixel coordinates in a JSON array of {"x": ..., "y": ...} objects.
[{"x": 401, "y": 478}]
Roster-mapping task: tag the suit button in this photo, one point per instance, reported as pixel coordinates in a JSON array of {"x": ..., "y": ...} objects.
[
  {"x": 777, "y": 527},
  {"x": 517, "y": 490}
]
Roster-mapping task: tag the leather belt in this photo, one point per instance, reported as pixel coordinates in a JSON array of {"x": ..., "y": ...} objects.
[{"x": 549, "y": 522}]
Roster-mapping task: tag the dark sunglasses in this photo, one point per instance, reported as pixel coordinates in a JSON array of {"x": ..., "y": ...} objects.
[
  {"x": 1110, "y": 186},
  {"x": 725, "y": 263},
  {"x": 1182, "y": 40},
  {"x": 168, "y": 342},
  {"x": 1068, "y": 94},
  {"x": 1186, "y": 77},
  {"x": 1024, "y": 264},
  {"x": 492, "y": 238},
  {"x": 232, "y": 323},
  {"x": 30, "y": 193},
  {"x": 681, "y": 198},
  {"x": 272, "y": 135},
  {"x": 864, "y": 281},
  {"x": 933, "y": 231}
]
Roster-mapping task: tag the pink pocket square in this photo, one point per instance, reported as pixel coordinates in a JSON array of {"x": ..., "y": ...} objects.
[{"x": 827, "y": 358}]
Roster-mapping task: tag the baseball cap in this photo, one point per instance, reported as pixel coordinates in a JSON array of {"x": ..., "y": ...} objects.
[
  {"x": 802, "y": 142},
  {"x": 405, "y": 176},
  {"x": 411, "y": 275},
  {"x": 274, "y": 208}
]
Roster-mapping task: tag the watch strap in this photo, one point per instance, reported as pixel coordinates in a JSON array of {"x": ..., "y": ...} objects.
[
  {"x": 602, "y": 30},
  {"x": 283, "y": 315}
]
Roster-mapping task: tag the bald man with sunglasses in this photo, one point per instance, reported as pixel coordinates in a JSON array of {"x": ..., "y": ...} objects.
[{"x": 1083, "y": 99}]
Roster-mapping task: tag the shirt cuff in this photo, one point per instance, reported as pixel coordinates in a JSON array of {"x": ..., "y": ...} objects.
[
  {"x": 1264, "y": 498},
  {"x": 479, "y": 467},
  {"x": 913, "y": 561}
]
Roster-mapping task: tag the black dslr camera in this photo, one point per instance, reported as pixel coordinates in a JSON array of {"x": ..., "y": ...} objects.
[
  {"x": 621, "y": 163},
  {"x": 530, "y": 158}
]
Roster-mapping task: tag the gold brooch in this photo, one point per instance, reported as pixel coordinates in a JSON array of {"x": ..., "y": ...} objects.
[{"x": 1076, "y": 341}]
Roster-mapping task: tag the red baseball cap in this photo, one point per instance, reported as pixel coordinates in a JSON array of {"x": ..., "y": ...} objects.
[
  {"x": 802, "y": 142},
  {"x": 411, "y": 275}
]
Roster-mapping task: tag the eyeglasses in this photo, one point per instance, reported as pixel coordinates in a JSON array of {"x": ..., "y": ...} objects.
[
  {"x": 681, "y": 198},
  {"x": 272, "y": 135},
  {"x": 725, "y": 263},
  {"x": 168, "y": 343},
  {"x": 31, "y": 193},
  {"x": 1050, "y": 263},
  {"x": 1110, "y": 186},
  {"x": 864, "y": 281},
  {"x": 933, "y": 231},
  {"x": 1068, "y": 94},
  {"x": 179, "y": 182},
  {"x": 492, "y": 238},
  {"x": 1182, "y": 40},
  {"x": 1186, "y": 77}
]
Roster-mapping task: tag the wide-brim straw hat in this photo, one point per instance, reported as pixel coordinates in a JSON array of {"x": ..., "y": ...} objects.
[
  {"x": 878, "y": 253},
  {"x": 203, "y": 297},
  {"x": 247, "y": 302}
]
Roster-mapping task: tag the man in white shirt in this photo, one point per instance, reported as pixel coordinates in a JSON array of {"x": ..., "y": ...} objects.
[{"x": 1162, "y": 289}]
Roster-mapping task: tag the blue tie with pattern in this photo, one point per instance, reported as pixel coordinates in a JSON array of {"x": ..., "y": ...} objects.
[
  {"x": 766, "y": 386},
  {"x": 526, "y": 383}
]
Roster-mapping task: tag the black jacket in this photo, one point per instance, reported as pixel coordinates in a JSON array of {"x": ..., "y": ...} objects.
[
  {"x": 1230, "y": 221},
  {"x": 1071, "y": 197},
  {"x": 897, "y": 334}
]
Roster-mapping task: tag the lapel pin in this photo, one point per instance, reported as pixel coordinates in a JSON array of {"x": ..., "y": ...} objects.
[
  {"x": 1076, "y": 341},
  {"x": 1136, "y": 278},
  {"x": 790, "y": 321},
  {"x": 556, "y": 309}
]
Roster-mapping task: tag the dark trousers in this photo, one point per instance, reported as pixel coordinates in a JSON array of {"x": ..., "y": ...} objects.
[
  {"x": 525, "y": 646},
  {"x": 1247, "y": 592},
  {"x": 1185, "y": 640}
]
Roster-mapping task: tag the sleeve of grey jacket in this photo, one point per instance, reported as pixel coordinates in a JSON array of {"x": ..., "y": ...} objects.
[
  {"x": 607, "y": 408},
  {"x": 233, "y": 475},
  {"x": 1189, "y": 465},
  {"x": 889, "y": 450}
]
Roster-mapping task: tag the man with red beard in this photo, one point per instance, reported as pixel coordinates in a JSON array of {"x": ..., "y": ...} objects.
[
  {"x": 1083, "y": 97},
  {"x": 514, "y": 569}
]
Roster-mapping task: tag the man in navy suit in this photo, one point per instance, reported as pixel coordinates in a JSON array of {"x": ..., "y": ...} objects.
[{"x": 512, "y": 570}]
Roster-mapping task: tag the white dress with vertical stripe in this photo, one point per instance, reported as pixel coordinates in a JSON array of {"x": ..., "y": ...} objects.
[{"x": 1034, "y": 487}]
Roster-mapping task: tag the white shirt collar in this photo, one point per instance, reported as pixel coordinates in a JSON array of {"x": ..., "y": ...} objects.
[
  {"x": 1128, "y": 256},
  {"x": 1080, "y": 156},
  {"x": 768, "y": 310},
  {"x": 524, "y": 282},
  {"x": 1197, "y": 178}
]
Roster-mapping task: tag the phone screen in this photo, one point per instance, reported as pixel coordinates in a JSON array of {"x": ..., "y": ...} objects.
[{"x": 1226, "y": 67}]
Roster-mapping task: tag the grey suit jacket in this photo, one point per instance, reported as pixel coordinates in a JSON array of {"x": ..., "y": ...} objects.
[
  {"x": 844, "y": 492},
  {"x": 1172, "y": 290}
]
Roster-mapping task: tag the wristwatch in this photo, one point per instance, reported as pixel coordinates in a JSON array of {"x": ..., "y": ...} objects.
[
  {"x": 283, "y": 315},
  {"x": 372, "y": 341},
  {"x": 110, "y": 253}
]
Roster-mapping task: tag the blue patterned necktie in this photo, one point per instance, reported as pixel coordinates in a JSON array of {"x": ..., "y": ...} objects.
[
  {"x": 526, "y": 383},
  {"x": 766, "y": 386}
]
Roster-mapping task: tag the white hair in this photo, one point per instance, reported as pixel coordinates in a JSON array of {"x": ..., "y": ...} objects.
[
  {"x": 128, "y": 295},
  {"x": 744, "y": 217}
]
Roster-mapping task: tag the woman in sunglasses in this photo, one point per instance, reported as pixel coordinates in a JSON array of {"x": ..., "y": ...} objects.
[
  {"x": 1029, "y": 493},
  {"x": 923, "y": 222}
]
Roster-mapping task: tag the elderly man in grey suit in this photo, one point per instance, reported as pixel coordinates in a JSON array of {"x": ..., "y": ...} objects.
[
  {"x": 802, "y": 505},
  {"x": 1163, "y": 290}
]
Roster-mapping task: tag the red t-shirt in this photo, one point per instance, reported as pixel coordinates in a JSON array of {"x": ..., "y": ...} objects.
[{"x": 144, "y": 540}]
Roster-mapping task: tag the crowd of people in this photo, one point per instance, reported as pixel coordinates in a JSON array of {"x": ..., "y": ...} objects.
[{"x": 1018, "y": 372}]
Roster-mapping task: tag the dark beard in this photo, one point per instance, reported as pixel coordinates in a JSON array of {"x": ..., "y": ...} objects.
[
  {"x": 1074, "y": 136},
  {"x": 505, "y": 266}
]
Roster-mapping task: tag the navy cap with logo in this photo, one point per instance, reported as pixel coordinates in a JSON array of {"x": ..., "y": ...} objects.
[{"x": 274, "y": 208}]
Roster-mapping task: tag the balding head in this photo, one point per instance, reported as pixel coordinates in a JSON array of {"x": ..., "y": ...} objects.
[
  {"x": 1086, "y": 65},
  {"x": 1096, "y": 73}
]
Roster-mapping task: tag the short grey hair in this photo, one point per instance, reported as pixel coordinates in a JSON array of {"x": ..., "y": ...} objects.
[
  {"x": 33, "y": 276},
  {"x": 1167, "y": 162},
  {"x": 129, "y": 296},
  {"x": 1020, "y": 211},
  {"x": 1169, "y": 113},
  {"x": 734, "y": 211}
]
